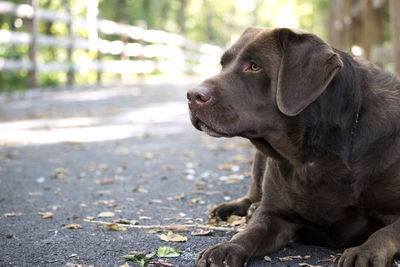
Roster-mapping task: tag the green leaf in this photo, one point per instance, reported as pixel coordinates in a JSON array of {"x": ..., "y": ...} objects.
[
  {"x": 142, "y": 259},
  {"x": 165, "y": 251}
]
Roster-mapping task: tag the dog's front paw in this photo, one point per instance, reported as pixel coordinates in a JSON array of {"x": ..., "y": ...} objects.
[
  {"x": 225, "y": 210},
  {"x": 366, "y": 255},
  {"x": 222, "y": 255}
]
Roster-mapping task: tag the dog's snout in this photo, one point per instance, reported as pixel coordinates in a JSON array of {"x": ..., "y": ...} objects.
[{"x": 200, "y": 95}]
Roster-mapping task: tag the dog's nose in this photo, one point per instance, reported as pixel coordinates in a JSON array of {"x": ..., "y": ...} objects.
[{"x": 199, "y": 94}]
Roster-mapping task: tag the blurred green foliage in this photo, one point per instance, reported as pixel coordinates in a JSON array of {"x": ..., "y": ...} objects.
[{"x": 217, "y": 22}]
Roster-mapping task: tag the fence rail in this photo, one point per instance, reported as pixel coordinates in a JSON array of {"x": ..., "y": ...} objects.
[{"x": 141, "y": 51}]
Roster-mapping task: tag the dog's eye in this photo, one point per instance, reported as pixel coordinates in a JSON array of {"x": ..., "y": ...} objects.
[{"x": 254, "y": 67}]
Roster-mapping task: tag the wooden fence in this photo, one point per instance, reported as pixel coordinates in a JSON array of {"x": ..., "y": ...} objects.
[{"x": 140, "y": 51}]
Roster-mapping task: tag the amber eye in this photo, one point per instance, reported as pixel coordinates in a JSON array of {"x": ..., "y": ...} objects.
[{"x": 254, "y": 67}]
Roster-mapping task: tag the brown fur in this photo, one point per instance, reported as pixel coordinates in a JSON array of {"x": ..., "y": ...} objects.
[{"x": 326, "y": 128}]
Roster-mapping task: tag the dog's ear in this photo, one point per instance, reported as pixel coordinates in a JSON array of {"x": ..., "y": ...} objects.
[{"x": 308, "y": 65}]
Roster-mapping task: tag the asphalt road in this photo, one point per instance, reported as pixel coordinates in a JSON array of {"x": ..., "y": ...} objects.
[{"x": 90, "y": 156}]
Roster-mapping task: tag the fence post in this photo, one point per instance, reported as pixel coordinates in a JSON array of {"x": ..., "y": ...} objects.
[
  {"x": 70, "y": 49},
  {"x": 32, "y": 26}
]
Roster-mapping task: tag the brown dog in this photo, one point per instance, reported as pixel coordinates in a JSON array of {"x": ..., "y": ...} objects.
[{"x": 327, "y": 132}]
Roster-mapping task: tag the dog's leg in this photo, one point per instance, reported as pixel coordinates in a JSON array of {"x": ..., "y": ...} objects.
[
  {"x": 265, "y": 234},
  {"x": 378, "y": 251},
  {"x": 241, "y": 205}
]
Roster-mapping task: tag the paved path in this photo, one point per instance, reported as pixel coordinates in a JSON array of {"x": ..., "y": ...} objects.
[{"x": 102, "y": 154}]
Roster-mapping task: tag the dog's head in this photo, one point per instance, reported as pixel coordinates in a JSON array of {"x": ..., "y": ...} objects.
[{"x": 267, "y": 75}]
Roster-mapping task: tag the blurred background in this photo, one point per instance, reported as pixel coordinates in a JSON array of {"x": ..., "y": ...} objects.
[{"x": 53, "y": 43}]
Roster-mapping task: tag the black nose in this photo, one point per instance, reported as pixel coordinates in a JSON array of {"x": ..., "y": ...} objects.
[{"x": 199, "y": 94}]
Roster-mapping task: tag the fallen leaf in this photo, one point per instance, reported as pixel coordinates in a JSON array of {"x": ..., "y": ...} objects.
[
  {"x": 289, "y": 258},
  {"x": 124, "y": 265},
  {"x": 12, "y": 214},
  {"x": 168, "y": 167},
  {"x": 188, "y": 153},
  {"x": 153, "y": 231},
  {"x": 172, "y": 237},
  {"x": 200, "y": 185},
  {"x": 266, "y": 258},
  {"x": 192, "y": 165},
  {"x": 115, "y": 227},
  {"x": 167, "y": 252},
  {"x": 107, "y": 182},
  {"x": 126, "y": 221},
  {"x": 139, "y": 189},
  {"x": 155, "y": 201},
  {"x": 177, "y": 228},
  {"x": 332, "y": 258},
  {"x": 236, "y": 220},
  {"x": 142, "y": 259},
  {"x": 229, "y": 167},
  {"x": 46, "y": 215},
  {"x": 148, "y": 155},
  {"x": 121, "y": 151},
  {"x": 102, "y": 166},
  {"x": 72, "y": 226},
  {"x": 179, "y": 197},
  {"x": 201, "y": 232},
  {"x": 60, "y": 173},
  {"x": 106, "y": 214}
]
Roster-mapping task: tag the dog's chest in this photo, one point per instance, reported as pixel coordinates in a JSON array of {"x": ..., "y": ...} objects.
[{"x": 318, "y": 192}]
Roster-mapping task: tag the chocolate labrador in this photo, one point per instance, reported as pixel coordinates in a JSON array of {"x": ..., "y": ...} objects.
[{"x": 327, "y": 131}]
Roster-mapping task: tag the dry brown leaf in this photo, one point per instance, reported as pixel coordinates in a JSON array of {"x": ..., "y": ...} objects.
[
  {"x": 179, "y": 197},
  {"x": 289, "y": 258},
  {"x": 225, "y": 166},
  {"x": 192, "y": 165},
  {"x": 115, "y": 227},
  {"x": 177, "y": 228},
  {"x": 12, "y": 214},
  {"x": 148, "y": 155},
  {"x": 201, "y": 232},
  {"x": 46, "y": 215},
  {"x": 188, "y": 153},
  {"x": 200, "y": 185},
  {"x": 266, "y": 258},
  {"x": 60, "y": 173},
  {"x": 155, "y": 201},
  {"x": 72, "y": 226},
  {"x": 107, "y": 182},
  {"x": 332, "y": 258},
  {"x": 172, "y": 237},
  {"x": 106, "y": 214},
  {"x": 168, "y": 167}
]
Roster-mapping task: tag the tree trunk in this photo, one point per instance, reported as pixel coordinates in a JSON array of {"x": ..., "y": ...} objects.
[
  {"x": 395, "y": 24},
  {"x": 32, "y": 27},
  {"x": 372, "y": 27},
  {"x": 182, "y": 17},
  {"x": 340, "y": 26}
]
